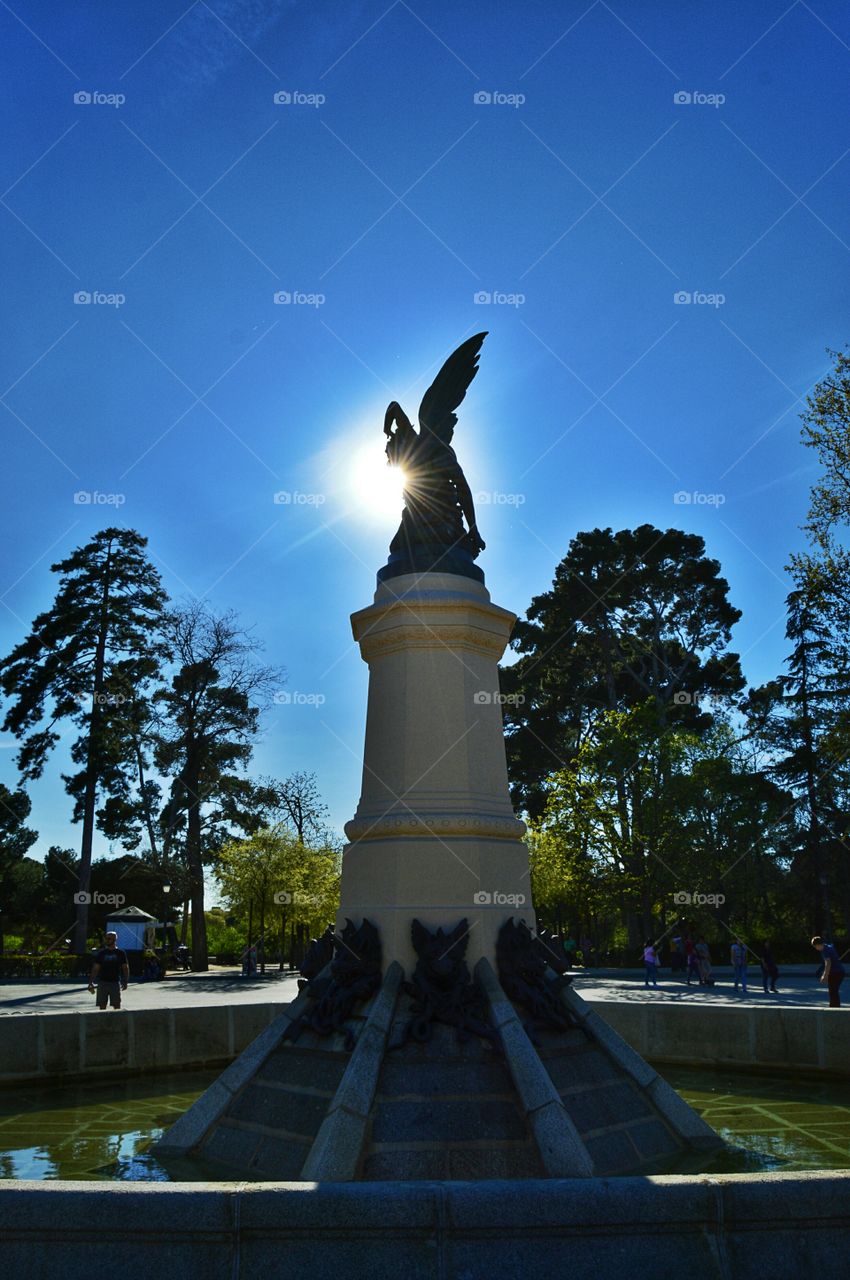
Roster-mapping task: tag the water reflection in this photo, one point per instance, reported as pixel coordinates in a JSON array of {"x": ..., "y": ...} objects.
[
  {"x": 769, "y": 1122},
  {"x": 95, "y": 1130},
  {"x": 103, "y": 1129}
]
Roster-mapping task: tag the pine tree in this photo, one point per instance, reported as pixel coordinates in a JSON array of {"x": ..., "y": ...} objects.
[{"x": 95, "y": 649}]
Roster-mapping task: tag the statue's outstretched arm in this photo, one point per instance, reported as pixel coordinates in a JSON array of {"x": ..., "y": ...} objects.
[{"x": 467, "y": 506}]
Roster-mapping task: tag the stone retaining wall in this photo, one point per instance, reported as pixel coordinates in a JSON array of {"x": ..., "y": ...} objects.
[
  {"x": 779, "y": 1039},
  {"x": 141, "y": 1040},
  {"x": 81, "y": 1044},
  {"x": 717, "y": 1227}
]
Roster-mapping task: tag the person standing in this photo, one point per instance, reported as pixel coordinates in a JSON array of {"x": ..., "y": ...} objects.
[
  {"x": 691, "y": 959},
  {"x": 570, "y": 950},
  {"x": 833, "y": 969},
  {"x": 769, "y": 970},
  {"x": 677, "y": 955},
  {"x": 704, "y": 962},
  {"x": 650, "y": 960},
  {"x": 738, "y": 956},
  {"x": 110, "y": 973}
]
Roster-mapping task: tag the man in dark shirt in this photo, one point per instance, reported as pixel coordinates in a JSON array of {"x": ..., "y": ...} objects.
[
  {"x": 833, "y": 969},
  {"x": 110, "y": 972}
]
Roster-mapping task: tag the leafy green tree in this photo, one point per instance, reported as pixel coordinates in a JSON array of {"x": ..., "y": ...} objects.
[
  {"x": 639, "y": 618},
  {"x": 96, "y": 646},
  {"x": 208, "y": 723},
  {"x": 280, "y": 878},
  {"x": 15, "y": 837}
]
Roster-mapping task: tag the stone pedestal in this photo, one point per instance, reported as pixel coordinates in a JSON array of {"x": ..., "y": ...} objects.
[{"x": 434, "y": 836}]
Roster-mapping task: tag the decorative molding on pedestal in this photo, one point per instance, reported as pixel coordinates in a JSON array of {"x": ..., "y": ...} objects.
[{"x": 437, "y": 824}]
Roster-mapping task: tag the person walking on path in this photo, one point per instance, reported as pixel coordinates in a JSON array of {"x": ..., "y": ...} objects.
[
  {"x": 738, "y": 956},
  {"x": 833, "y": 969},
  {"x": 769, "y": 971},
  {"x": 650, "y": 960},
  {"x": 110, "y": 973},
  {"x": 692, "y": 959}
]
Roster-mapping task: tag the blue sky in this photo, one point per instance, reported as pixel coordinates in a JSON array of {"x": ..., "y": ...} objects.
[{"x": 382, "y": 198}]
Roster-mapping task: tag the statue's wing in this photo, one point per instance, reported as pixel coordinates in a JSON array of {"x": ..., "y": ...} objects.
[{"x": 437, "y": 410}]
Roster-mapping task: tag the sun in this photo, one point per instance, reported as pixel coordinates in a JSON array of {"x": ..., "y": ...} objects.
[{"x": 374, "y": 487}]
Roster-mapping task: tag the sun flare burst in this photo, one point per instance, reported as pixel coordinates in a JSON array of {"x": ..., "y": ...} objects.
[{"x": 375, "y": 487}]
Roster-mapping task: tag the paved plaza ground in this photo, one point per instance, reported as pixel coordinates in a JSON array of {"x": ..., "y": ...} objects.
[{"x": 798, "y": 987}]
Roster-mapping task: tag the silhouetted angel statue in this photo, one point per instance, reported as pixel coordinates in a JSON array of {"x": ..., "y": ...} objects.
[{"x": 436, "y": 494}]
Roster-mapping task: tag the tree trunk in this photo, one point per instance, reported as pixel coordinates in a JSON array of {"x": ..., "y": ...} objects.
[
  {"x": 263, "y": 934},
  {"x": 148, "y": 812},
  {"x": 821, "y": 915},
  {"x": 191, "y": 782},
  {"x": 90, "y": 794}
]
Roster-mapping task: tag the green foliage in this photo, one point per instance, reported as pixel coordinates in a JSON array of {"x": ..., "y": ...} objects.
[
  {"x": 826, "y": 429},
  {"x": 634, "y": 619},
  {"x": 285, "y": 880}
]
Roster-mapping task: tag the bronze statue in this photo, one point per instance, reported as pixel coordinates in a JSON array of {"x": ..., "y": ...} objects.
[{"x": 437, "y": 498}]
